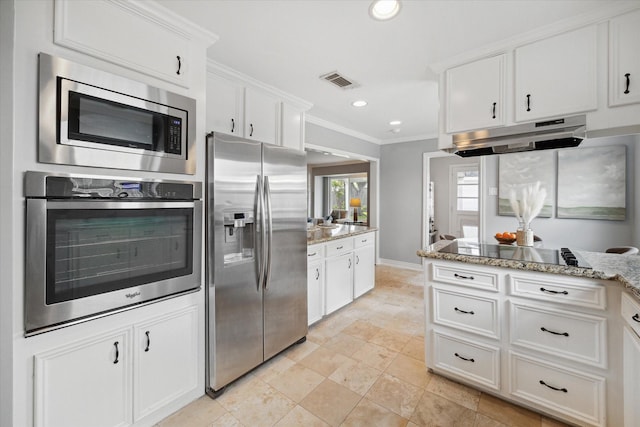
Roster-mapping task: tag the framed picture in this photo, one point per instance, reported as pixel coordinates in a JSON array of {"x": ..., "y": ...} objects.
[
  {"x": 517, "y": 170},
  {"x": 592, "y": 183}
]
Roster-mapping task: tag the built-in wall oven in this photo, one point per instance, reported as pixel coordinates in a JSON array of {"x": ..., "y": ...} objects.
[{"x": 99, "y": 245}]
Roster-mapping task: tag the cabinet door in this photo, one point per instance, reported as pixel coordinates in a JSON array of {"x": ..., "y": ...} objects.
[
  {"x": 85, "y": 384},
  {"x": 224, "y": 105},
  {"x": 364, "y": 274},
  {"x": 624, "y": 71},
  {"x": 261, "y": 115},
  {"x": 475, "y": 95},
  {"x": 631, "y": 375},
  {"x": 166, "y": 352},
  {"x": 292, "y": 127},
  {"x": 315, "y": 287},
  {"x": 140, "y": 40},
  {"x": 339, "y": 281},
  {"x": 556, "y": 76}
]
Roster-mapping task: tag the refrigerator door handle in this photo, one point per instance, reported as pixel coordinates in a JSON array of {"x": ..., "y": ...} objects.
[
  {"x": 269, "y": 231},
  {"x": 260, "y": 230}
]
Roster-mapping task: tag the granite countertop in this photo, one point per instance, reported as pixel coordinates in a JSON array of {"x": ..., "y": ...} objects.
[
  {"x": 624, "y": 269},
  {"x": 320, "y": 234}
]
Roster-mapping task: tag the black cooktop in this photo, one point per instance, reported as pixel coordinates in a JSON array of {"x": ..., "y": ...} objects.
[{"x": 561, "y": 256}]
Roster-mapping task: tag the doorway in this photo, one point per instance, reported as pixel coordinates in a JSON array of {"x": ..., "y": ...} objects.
[{"x": 464, "y": 184}]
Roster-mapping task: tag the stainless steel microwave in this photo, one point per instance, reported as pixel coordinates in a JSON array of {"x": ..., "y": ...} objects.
[{"x": 89, "y": 117}]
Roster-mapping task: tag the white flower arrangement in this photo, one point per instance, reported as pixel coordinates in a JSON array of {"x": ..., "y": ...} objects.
[{"x": 530, "y": 203}]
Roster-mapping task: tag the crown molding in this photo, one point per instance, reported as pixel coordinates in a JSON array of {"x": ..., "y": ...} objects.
[
  {"x": 600, "y": 14},
  {"x": 414, "y": 138},
  {"x": 338, "y": 128},
  {"x": 235, "y": 75}
]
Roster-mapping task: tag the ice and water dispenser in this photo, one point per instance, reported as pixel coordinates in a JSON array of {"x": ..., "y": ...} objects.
[{"x": 239, "y": 236}]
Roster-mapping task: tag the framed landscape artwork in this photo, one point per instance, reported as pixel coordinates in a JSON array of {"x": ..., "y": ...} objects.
[
  {"x": 592, "y": 183},
  {"x": 517, "y": 170}
]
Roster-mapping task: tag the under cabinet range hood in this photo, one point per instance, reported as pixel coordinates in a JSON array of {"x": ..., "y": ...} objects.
[{"x": 544, "y": 135}]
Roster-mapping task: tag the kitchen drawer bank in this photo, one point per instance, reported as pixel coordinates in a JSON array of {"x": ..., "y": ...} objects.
[
  {"x": 340, "y": 268},
  {"x": 558, "y": 353}
]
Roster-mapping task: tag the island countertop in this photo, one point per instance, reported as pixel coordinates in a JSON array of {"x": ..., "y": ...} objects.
[
  {"x": 624, "y": 269},
  {"x": 320, "y": 234}
]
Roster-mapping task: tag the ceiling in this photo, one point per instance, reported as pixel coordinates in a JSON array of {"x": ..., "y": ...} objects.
[{"x": 289, "y": 44}]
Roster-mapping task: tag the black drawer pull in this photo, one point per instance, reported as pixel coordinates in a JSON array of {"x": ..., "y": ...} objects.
[
  {"x": 464, "y": 358},
  {"x": 550, "y": 291},
  {"x": 317, "y": 274},
  {"x": 462, "y": 311},
  {"x": 251, "y": 131},
  {"x": 339, "y": 247},
  {"x": 626, "y": 91},
  {"x": 543, "y": 329},
  {"x": 313, "y": 254},
  {"x": 233, "y": 125},
  {"x": 148, "y": 341},
  {"x": 564, "y": 390},
  {"x": 460, "y": 276},
  {"x": 528, "y": 102},
  {"x": 179, "y": 65},
  {"x": 636, "y": 317},
  {"x": 117, "y": 353},
  {"x": 494, "y": 111}
]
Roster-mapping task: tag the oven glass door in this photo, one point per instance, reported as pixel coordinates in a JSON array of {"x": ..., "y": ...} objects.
[{"x": 95, "y": 251}]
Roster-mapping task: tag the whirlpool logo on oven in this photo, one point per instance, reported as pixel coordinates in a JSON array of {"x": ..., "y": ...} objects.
[{"x": 133, "y": 295}]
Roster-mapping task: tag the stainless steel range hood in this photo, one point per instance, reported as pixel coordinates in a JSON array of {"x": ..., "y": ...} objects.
[{"x": 544, "y": 135}]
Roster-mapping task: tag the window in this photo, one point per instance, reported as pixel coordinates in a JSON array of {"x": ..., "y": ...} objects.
[
  {"x": 465, "y": 206},
  {"x": 344, "y": 188},
  {"x": 467, "y": 183}
]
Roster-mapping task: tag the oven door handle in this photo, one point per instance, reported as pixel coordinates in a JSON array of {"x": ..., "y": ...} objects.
[{"x": 102, "y": 204}]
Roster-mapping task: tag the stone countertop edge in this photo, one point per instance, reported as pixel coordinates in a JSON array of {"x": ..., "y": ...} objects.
[
  {"x": 340, "y": 233},
  {"x": 624, "y": 269}
]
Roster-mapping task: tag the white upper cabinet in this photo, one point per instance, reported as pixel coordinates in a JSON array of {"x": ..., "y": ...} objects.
[
  {"x": 225, "y": 100},
  {"x": 292, "y": 127},
  {"x": 261, "y": 113},
  {"x": 557, "y": 76},
  {"x": 624, "y": 65},
  {"x": 475, "y": 95},
  {"x": 132, "y": 28}
]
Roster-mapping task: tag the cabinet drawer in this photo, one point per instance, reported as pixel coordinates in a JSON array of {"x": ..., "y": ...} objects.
[
  {"x": 582, "y": 293},
  {"x": 631, "y": 312},
  {"x": 338, "y": 247},
  {"x": 364, "y": 239},
  {"x": 473, "y": 361},
  {"x": 466, "y": 312},
  {"x": 564, "y": 390},
  {"x": 574, "y": 336},
  {"x": 315, "y": 252},
  {"x": 465, "y": 277}
]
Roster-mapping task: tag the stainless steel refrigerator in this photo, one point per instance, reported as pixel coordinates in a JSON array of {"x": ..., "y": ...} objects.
[{"x": 256, "y": 267}]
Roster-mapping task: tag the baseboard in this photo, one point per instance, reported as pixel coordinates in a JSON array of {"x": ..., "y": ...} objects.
[{"x": 400, "y": 264}]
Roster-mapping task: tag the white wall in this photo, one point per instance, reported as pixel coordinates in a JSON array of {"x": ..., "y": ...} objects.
[
  {"x": 6, "y": 212},
  {"x": 585, "y": 234}
]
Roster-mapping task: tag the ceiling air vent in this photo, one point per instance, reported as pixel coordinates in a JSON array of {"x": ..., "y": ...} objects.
[{"x": 339, "y": 80}]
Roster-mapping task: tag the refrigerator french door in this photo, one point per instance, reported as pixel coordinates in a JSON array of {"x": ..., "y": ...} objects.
[{"x": 256, "y": 255}]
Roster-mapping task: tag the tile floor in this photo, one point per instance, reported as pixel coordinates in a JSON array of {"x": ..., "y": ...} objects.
[{"x": 361, "y": 366}]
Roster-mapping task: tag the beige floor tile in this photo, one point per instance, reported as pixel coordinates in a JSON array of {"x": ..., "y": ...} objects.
[
  {"x": 484, "y": 421},
  {"x": 456, "y": 392},
  {"x": 296, "y": 382},
  {"x": 414, "y": 348},
  {"x": 370, "y": 414},
  {"x": 256, "y": 404},
  {"x": 331, "y": 402},
  {"x": 407, "y": 322},
  {"x": 376, "y": 356},
  {"x": 356, "y": 376},
  {"x": 273, "y": 368},
  {"x": 393, "y": 340},
  {"x": 361, "y": 329},
  {"x": 323, "y": 361},
  {"x": 433, "y": 410},
  {"x": 300, "y": 417},
  {"x": 410, "y": 370},
  {"x": 395, "y": 395},
  {"x": 201, "y": 412},
  {"x": 507, "y": 413},
  {"x": 344, "y": 344},
  {"x": 227, "y": 420},
  {"x": 300, "y": 351}
]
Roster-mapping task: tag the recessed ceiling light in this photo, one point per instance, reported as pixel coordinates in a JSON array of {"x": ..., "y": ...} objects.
[
  {"x": 359, "y": 103},
  {"x": 396, "y": 130},
  {"x": 395, "y": 122},
  {"x": 383, "y": 10}
]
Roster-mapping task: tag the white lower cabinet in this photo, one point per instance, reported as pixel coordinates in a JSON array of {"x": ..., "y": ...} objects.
[
  {"x": 631, "y": 360},
  {"x": 545, "y": 341},
  {"x": 364, "y": 259},
  {"x": 115, "y": 379},
  {"x": 339, "y": 281},
  {"x": 315, "y": 283}
]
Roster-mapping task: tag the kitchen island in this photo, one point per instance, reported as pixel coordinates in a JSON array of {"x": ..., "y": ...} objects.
[{"x": 515, "y": 323}]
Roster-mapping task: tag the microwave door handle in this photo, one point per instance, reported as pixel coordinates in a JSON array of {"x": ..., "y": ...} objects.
[
  {"x": 259, "y": 231},
  {"x": 269, "y": 231}
]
